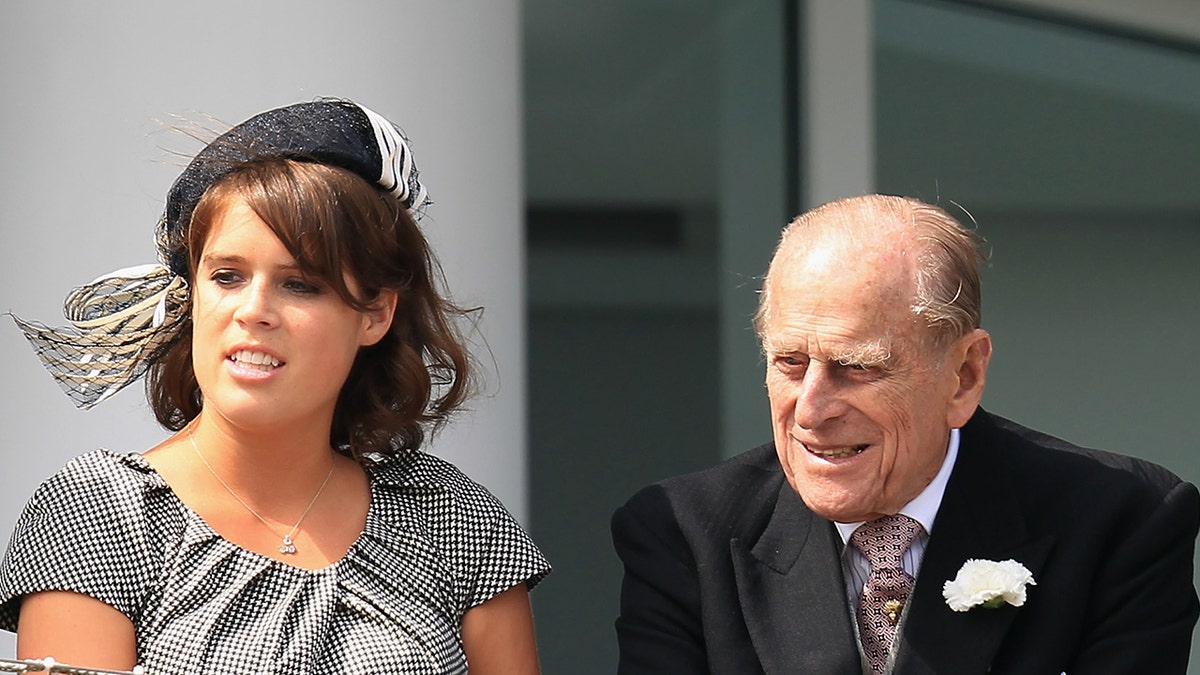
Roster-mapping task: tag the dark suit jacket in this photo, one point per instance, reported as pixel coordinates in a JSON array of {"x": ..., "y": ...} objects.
[{"x": 726, "y": 570}]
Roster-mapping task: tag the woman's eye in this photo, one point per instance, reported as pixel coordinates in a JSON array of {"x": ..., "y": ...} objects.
[
  {"x": 302, "y": 286},
  {"x": 224, "y": 277}
]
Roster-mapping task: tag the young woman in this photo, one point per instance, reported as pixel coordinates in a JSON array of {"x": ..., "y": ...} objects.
[{"x": 297, "y": 342}]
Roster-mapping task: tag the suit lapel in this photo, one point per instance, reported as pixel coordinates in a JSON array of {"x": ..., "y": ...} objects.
[
  {"x": 792, "y": 594},
  {"x": 978, "y": 518}
]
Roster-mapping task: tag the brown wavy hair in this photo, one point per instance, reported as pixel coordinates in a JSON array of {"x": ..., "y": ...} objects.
[{"x": 335, "y": 224}]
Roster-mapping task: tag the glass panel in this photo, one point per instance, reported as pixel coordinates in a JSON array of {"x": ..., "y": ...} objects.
[
  {"x": 654, "y": 133},
  {"x": 1076, "y": 151},
  {"x": 1077, "y": 154}
]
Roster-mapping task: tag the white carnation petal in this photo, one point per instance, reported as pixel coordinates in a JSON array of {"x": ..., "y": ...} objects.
[{"x": 979, "y": 581}]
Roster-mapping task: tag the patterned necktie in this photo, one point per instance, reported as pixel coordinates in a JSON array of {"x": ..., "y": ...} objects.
[{"x": 883, "y": 541}]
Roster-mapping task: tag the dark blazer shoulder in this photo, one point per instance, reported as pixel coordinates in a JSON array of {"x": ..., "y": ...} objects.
[
  {"x": 1045, "y": 466},
  {"x": 1107, "y": 537},
  {"x": 736, "y": 496}
]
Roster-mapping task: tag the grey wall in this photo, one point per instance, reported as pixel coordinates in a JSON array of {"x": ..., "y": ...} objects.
[
  {"x": 1094, "y": 319},
  {"x": 84, "y": 175}
]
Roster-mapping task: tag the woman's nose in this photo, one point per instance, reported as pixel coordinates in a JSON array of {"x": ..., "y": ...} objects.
[{"x": 256, "y": 305}]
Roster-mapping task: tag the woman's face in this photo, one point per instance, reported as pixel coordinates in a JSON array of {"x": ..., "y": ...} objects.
[{"x": 271, "y": 346}]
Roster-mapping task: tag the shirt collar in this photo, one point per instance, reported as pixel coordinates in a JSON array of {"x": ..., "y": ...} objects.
[{"x": 924, "y": 507}]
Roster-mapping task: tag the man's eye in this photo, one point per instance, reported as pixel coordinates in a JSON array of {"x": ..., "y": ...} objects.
[
  {"x": 790, "y": 362},
  {"x": 862, "y": 370}
]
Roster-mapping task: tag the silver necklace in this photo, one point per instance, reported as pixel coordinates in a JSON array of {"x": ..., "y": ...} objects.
[{"x": 288, "y": 547}]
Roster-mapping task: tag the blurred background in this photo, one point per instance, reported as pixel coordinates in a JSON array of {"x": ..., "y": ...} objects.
[
  {"x": 668, "y": 142},
  {"x": 610, "y": 177}
]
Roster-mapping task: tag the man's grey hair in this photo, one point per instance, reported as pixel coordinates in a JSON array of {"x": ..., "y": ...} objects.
[{"x": 948, "y": 295}]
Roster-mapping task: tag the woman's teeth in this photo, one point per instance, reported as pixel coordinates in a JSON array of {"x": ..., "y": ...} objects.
[{"x": 257, "y": 360}]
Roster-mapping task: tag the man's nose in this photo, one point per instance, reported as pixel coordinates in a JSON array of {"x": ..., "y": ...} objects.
[{"x": 819, "y": 397}]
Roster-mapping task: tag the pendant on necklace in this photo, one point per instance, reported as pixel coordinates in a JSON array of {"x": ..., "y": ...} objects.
[{"x": 287, "y": 548}]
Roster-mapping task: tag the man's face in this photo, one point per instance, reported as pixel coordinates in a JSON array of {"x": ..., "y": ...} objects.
[{"x": 861, "y": 405}]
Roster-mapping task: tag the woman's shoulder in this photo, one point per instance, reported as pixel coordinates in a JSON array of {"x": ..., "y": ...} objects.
[
  {"x": 93, "y": 528},
  {"x": 419, "y": 470},
  {"x": 103, "y": 463},
  {"x": 105, "y": 471},
  {"x": 418, "y": 484},
  {"x": 99, "y": 482}
]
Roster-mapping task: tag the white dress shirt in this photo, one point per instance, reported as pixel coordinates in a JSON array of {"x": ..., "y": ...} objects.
[{"x": 922, "y": 509}]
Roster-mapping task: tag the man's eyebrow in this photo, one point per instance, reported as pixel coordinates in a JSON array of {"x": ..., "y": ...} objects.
[
  {"x": 780, "y": 347},
  {"x": 873, "y": 353}
]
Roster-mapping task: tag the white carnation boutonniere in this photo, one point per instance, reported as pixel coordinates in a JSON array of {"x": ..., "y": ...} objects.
[{"x": 987, "y": 583}]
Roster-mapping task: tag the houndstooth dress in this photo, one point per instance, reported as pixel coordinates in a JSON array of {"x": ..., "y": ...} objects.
[{"x": 435, "y": 544}]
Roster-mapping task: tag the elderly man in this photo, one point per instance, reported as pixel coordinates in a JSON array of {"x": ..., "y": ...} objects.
[{"x": 843, "y": 547}]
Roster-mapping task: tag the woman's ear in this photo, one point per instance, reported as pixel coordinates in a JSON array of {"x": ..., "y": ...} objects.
[{"x": 377, "y": 319}]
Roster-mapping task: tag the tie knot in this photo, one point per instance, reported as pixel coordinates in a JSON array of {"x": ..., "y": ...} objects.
[{"x": 884, "y": 540}]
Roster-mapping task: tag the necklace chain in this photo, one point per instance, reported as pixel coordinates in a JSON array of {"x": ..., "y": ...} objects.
[{"x": 288, "y": 546}]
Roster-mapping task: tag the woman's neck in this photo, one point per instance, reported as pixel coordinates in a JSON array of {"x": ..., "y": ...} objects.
[{"x": 262, "y": 462}]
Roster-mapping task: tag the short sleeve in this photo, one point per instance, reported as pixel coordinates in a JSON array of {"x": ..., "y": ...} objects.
[
  {"x": 86, "y": 530},
  {"x": 483, "y": 547},
  {"x": 498, "y": 554}
]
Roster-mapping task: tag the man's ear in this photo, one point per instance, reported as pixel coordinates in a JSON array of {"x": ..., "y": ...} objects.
[
  {"x": 377, "y": 320},
  {"x": 970, "y": 356}
]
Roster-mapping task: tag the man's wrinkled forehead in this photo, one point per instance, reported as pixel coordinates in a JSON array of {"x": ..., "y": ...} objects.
[
  {"x": 848, "y": 226},
  {"x": 864, "y": 286},
  {"x": 877, "y": 268}
]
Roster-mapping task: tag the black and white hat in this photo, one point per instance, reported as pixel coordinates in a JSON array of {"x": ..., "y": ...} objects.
[
  {"x": 328, "y": 131},
  {"x": 123, "y": 321}
]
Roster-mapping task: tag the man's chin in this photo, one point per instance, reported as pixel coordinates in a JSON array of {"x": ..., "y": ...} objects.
[{"x": 840, "y": 507}]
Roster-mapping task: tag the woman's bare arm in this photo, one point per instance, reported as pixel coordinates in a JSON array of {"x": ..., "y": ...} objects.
[
  {"x": 498, "y": 635},
  {"x": 75, "y": 629}
]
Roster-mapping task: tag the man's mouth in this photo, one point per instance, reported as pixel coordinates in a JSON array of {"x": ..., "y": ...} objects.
[
  {"x": 256, "y": 360},
  {"x": 841, "y": 452}
]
